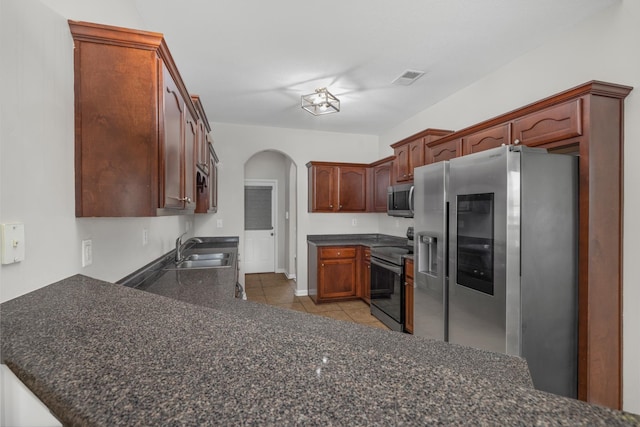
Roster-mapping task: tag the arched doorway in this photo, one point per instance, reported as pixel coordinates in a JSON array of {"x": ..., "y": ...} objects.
[{"x": 270, "y": 212}]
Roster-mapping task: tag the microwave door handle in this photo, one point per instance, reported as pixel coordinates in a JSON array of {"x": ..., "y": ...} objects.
[{"x": 411, "y": 199}]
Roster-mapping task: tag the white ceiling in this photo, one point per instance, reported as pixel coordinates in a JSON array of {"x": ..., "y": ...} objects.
[{"x": 251, "y": 60}]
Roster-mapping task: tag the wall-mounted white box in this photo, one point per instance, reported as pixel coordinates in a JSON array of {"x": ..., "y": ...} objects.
[
  {"x": 12, "y": 242},
  {"x": 87, "y": 253}
]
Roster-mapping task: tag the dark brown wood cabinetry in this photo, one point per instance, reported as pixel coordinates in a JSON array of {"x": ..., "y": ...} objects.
[
  {"x": 378, "y": 184},
  {"x": 487, "y": 138},
  {"x": 206, "y": 162},
  {"x": 410, "y": 153},
  {"x": 135, "y": 125},
  {"x": 438, "y": 151},
  {"x": 365, "y": 275},
  {"x": 337, "y": 187},
  {"x": 337, "y": 273},
  {"x": 408, "y": 295}
]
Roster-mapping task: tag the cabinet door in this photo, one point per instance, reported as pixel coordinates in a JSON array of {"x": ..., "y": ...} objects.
[
  {"x": 173, "y": 137},
  {"x": 365, "y": 283},
  {"x": 549, "y": 125},
  {"x": 402, "y": 163},
  {"x": 337, "y": 278},
  {"x": 190, "y": 158},
  {"x": 352, "y": 189},
  {"x": 416, "y": 155},
  {"x": 408, "y": 295},
  {"x": 381, "y": 182},
  {"x": 202, "y": 148},
  {"x": 322, "y": 188},
  {"x": 486, "y": 139},
  {"x": 213, "y": 182},
  {"x": 444, "y": 151}
]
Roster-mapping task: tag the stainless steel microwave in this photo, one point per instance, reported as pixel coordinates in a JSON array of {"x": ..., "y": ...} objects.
[{"x": 400, "y": 200}]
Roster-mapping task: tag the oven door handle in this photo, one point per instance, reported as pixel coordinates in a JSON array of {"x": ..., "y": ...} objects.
[{"x": 393, "y": 268}]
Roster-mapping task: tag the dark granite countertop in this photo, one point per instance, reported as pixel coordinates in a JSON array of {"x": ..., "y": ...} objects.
[
  {"x": 371, "y": 240},
  {"x": 183, "y": 351}
]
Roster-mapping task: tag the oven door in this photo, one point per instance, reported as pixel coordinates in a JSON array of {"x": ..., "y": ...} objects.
[{"x": 387, "y": 293}]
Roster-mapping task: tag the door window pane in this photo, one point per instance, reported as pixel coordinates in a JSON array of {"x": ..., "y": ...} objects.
[{"x": 257, "y": 208}]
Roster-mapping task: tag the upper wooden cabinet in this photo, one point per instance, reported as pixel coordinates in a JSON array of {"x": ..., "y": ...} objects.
[
  {"x": 203, "y": 138},
  {"x": 410, "y": 153},
  {"x": 136, "y": 127},
  {"x": 337, "y": 187},
  {"x": 378, "y": 184},
  {"x": 487, "y": 138},
  {"x": 549, "y": 125},
  {"x": 438, "y": 151}
]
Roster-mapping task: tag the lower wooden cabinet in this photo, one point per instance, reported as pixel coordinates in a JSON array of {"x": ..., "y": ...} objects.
[
  {"x": 337, "y": 273},
  {"x": 408, "y": 296},
  {"x": 365, "y": 275}
]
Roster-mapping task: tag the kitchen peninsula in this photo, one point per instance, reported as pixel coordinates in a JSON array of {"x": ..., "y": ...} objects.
[{"x": 103, "y": 354}]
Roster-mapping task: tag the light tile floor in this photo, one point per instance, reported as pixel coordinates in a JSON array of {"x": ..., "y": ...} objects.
[{"x": 275, "y": 289}]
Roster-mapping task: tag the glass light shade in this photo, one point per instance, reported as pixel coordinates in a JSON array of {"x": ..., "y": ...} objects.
[{"x": 320, "y": 102}]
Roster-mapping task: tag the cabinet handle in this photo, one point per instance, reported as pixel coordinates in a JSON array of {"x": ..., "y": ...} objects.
[
  {"x": 516, "y": 141},
  {"x": 322, "y": 265},
  {"x": 340, "y": 207},
  {"x": 181, "y": 199},
  {"x": 331, "y": 206},
  {"x": 338, "y": 253}
]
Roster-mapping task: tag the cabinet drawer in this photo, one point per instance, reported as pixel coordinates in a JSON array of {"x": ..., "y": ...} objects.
[
  {"x": 552, "y": 124},
  {"x": 334, "y": 252}
]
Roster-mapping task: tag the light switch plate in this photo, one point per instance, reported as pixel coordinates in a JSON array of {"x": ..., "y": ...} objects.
[{"x": 12, "y": 243}]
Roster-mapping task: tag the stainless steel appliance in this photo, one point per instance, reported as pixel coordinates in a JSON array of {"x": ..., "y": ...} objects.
[
  {"x": 496, "y": 250},
  {"x": 387, "y": 280},
  {"x": 400, "y": 200}
]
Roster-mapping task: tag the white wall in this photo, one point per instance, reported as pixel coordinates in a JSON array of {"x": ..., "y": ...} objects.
[
  {"x": 603, "y": 48},
  {"x": 235, "y": 144},
  {"x": 37, "y": 149}
]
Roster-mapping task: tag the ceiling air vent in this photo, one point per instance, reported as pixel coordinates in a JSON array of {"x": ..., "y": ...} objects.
[{"x": 408, "y": 77}]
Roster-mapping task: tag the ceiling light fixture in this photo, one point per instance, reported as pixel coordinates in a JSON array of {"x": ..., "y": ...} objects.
[{"x": 320, "y": 102}]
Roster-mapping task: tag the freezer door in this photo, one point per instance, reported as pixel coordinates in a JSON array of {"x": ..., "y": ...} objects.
[
  {"x": 484, "y": 218},
  {"x": 430, "y": 250}
]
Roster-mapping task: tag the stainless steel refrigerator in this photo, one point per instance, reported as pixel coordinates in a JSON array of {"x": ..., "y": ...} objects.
[{"x": 496, "y": 258}]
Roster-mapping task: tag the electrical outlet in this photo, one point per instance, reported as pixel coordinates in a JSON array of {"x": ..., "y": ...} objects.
[
  {"x": 145, "y": 237},
  {"x": 188, "y": 225},
  {"x": 219, "y": 223},
  {"x": 354, "y": 222},
  {"x": 87, "y": 253}
]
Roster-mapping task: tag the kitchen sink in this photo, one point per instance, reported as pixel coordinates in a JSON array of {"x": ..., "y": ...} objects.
[
  {"x": 223, "y": 256},
  {"x": 200, "y": 257},
  {"x": 203, "y": 263}
]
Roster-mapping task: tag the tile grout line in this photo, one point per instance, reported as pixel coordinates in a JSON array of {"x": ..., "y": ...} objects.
[{"x": 278, "y": 291}]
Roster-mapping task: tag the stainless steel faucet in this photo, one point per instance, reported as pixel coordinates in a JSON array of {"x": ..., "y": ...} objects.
[{"x": 180, "y": 246}]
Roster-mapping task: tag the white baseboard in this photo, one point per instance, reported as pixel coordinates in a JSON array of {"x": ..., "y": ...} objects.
[
  {"x": 290, "y": 276},
  {"x": 301, "y": 292}
]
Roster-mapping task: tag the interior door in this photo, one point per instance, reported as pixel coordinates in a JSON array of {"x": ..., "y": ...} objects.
[{"x": 259, "y": 221}]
